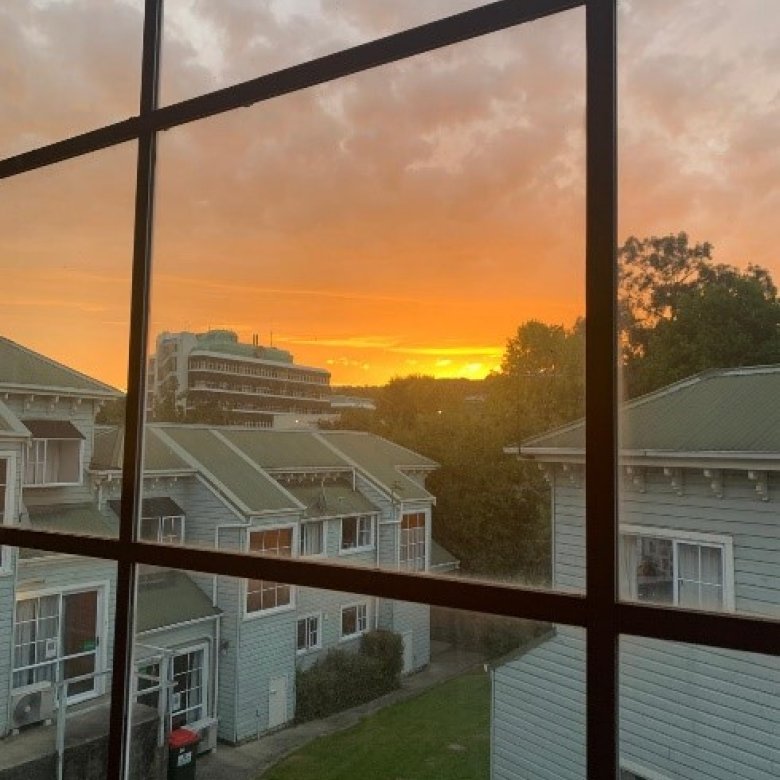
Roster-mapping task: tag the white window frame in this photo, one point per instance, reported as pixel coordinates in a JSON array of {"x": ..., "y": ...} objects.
[
  {"x": 8, "y": 506},
  {"x": 358, "y": 547},
  {"x": 406, "y": 542},
  {"x": 257, "y": 613},
  {"x": 34, "y": 445},
  {"x": 721, "y": 541},
  {"x": 101, "y": 622},
  {"x": 160, "y": 519},
  {"x": 356, "y": 605},
  {"x": 302, "y": 538},
  {"x": 202, "y": 647},
  {"x": 309, "y": 647}
]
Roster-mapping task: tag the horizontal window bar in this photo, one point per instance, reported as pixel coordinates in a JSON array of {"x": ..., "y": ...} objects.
[
  {"x": 732, "y": 631},
  {"x": 418, "y": 40},
  {"x": 428, "y": 589}
]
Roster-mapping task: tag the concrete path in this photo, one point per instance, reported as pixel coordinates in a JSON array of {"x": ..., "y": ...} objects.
[{"x": 249, "y": 761}]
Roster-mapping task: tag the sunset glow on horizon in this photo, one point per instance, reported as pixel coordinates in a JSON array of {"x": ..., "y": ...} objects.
[{"x": 405, "y": 220}]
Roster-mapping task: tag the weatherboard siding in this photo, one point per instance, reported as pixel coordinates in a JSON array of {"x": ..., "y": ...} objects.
[
  {"x": 414, "y": 618},
  {"x": 694, "y": 713},
  {"x": 686, "y": 713},
  {"x": 267, "y": 650},
  {"x": 538, "y": 712},
  {"x": 752, "y": 524}
]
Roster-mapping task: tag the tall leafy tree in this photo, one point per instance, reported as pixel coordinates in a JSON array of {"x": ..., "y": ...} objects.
[{"x": 682, "y": 313}]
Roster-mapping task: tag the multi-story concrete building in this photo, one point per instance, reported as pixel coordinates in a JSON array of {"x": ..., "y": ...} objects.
[
  {"x": 699, "y": 529},
  {"x": 226, "y": 648},
  {"x": 254, "y": 384}
]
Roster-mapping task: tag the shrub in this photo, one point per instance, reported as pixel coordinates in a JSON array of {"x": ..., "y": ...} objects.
[{"x": 345, "y": 679}]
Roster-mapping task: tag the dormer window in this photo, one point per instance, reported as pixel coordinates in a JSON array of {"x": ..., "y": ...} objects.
[
  {"x": 55, "y": 453},
  {"x": 162, "y": 520}
]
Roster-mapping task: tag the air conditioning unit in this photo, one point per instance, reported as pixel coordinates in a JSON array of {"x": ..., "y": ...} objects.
[
  {"x": 32, "y": 704},
  {"x": 207, "y": 728}
]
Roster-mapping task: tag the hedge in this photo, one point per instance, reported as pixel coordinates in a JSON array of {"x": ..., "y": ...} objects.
[{"x": 344, "y": 679}]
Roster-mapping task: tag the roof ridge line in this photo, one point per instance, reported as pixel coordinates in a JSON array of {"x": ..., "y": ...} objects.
[{"x": 57, "y": 364}]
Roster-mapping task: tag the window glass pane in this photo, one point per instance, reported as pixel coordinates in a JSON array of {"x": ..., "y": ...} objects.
[
  {"x": 690, "y": 712},
  {"x": 359, "y": 358},
  {"x": 66, "y": 236},
  {"x": 209, "y": 46},
  {"x": 453, "y": 694},
  {"x": 699, "y": 311},
  {"x": 66, "y": 68}
]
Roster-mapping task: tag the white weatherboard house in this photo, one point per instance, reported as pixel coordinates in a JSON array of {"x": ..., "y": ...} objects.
[
  {"x": 226, "y": 648},
  {"x": 699, "y": 528}
]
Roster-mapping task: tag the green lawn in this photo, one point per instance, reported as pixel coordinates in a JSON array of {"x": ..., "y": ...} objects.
[{"x": 443, "y": 734}]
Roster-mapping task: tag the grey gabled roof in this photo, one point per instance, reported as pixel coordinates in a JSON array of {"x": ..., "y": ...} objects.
[
  {"x": 382, "y": 460},
  {"x": 167, "y": 597},
  {"x": 730, "y": 411},
  {"x": 21, "y": 369},
  {"x": 232, "y": 473},
  {"x": 333, "y": 499},
  {"x": 285, "y": 449}
]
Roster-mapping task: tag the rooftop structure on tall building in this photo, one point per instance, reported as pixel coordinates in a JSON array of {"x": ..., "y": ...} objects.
[{"x": 254, "y": 384}]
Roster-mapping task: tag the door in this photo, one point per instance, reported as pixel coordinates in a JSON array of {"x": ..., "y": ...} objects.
[
  {"x": 277, "y": 702},
  {"x": 408, "y": 641},
  {"x": 80, "y": 642}
]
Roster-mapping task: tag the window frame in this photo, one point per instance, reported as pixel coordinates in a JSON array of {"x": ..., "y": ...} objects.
[
  {"x": 160, "y": 520},
  {"x": 407, "y": 543},
  {"x": 356, "y": 605},
  {"x": 323, "y": 538},
  {"x": 35, "y": 444},
  {"x": 599, "y": 610},
  {"x": 722, "y": 542},
  {"x": 309, "y": 648},
  {"x": 102, "y": 589},
  {"x": 357, "y": 547},
  {"x": 203, "y": 706},
  {"x": 251, "y": 614}
]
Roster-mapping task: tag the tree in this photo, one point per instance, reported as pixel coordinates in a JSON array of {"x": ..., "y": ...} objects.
[
  {"x": 542, "y": 379},
  {"x": 681, "y": 313}
]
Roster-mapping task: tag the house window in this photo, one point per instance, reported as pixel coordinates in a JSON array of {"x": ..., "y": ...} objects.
[
  {"x": 56, "y": 638},
  {"x": 263, "y": 594},
  {"x": 681, "y": 570},
  {"x": 308, "y": 633},
  {"x": 169, "y": 530},
  {"x": 354, "y": 620},
  {"x": 357, "y": 532},
  {"x": 312, "y": 538},
  {"x": 412, "y": 555},
  {"x": 188, "y": 692},
  {"x": 53, "y": 462}
]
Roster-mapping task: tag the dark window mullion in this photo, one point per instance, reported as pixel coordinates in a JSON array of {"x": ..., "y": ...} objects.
[
  {"x": 132, "y": 464},
  {"x": 601, "y": 392}
]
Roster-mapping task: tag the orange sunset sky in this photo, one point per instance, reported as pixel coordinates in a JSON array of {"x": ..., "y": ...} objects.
[{"x": 403, "y": 220}]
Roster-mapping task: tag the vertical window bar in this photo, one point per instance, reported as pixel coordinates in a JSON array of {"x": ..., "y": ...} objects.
[
  {"x": 132, "y": 477},
  {"x": 601, "y": 390}
]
